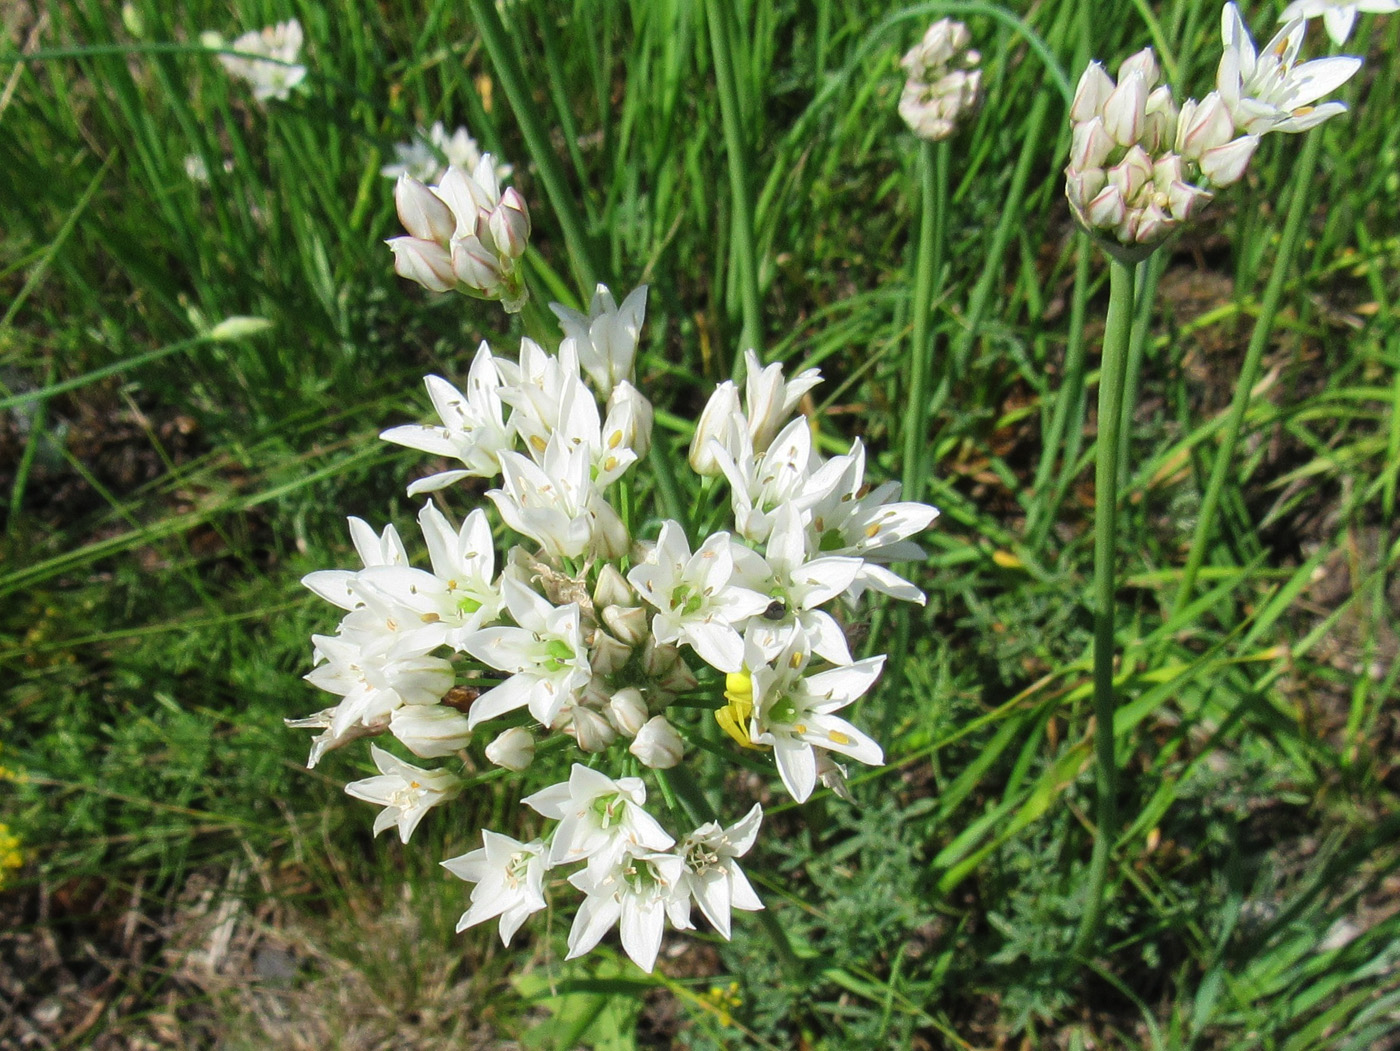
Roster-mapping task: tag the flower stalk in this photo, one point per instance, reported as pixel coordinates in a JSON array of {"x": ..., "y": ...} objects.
[
  {"x": 933, "y": 220},
  {"x": 1110, "y": 420}
]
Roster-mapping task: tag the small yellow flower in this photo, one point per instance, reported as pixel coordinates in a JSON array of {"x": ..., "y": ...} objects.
[
  {"x": 734, "y": 717},
  {"x": 11, "y": 857}
]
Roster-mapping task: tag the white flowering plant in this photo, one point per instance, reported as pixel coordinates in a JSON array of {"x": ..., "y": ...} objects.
[{"x": 601, "y": 626}]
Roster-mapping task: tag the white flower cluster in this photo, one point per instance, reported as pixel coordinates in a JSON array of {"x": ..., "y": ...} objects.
[
  {"x": 465, "y": 234},
  {"x": 427, "y": 156},
  {"x": 944, "y": 81},
  {"x": 1140, "y": 166},
  {"x": 586, "y": 635},
  {"x": 277, "y": 72}
]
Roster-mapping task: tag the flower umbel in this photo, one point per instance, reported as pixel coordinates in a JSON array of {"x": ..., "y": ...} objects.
[
  {"x": 944, "y": 84},
  {"x": 277, "y": 72}
]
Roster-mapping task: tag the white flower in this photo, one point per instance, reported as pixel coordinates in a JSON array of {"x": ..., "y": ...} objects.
[
  {"x": 606, "y": 337},
  {"x": 761, "y": 483},
  {"x": 281, "y": 44},
  {"x": 629, "y": 421},
  {"x": 417, "y": 159},
  {"x": 695, "y": 601},
  {"x": 657, "y": 744},
  {"x": 570, "y": 418},
  {"x": 404, "y": 791},
  {"x": 493, "y": 227},
  {"x": 844, "y": 517},
  {"x": 374, "y": 682},
  {"x": 599, "y": 818},
  {"x": 195, "y": 169},
  {"x": 336, "y": 585},
  {"x": 513, "y": 749},
  {"x": 1124, "y": 178},
  {"x": 1270, "y": 91},
  {"x": 792, "y": 712},
  {"x": 712, "y": 877},
  {"x": 536, "y": 389},
  {"x": 1338, "y": 15},
  {"x": 509, "y": 878},
  {"x": 457, "y": 597},
  {"x": 556, "y": 503},
  {"x": 636, "y": 893},
  {"x": 545, "y": 654},
  {"x": 795, "y": 587},
  {"x": 473, "y": 428}
]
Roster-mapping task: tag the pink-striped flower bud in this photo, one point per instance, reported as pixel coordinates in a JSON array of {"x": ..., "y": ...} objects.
[
  {"x": 422, "y": 261},
  {"x": 422, "y": 212}
]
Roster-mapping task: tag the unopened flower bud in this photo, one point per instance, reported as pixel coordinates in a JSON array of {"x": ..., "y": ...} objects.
[
  {"x": 509, "y": 223},
  {"x": 1203, "y": 126},
  {"x": 1143, "y": 62},
  {"x": 718, "y": 421},
  {"x": 430, "y": 730},
  {"x": 832, "y": 774},
  {"x": 424, "y": 262},
  {"x": 607, "y": 654},
  {"x": 475, "y": 266},
  {"x": 629, "y": 421},
  {"x": 514, "y": 749},
  {"x": 1125, "y": 110},
  {"x": 658, "y": 745},
  {"x": 422, "y": 212},
  {"x": 943, "y": 82},
  {"x": 629, "y": 623},
  {"x": 1095, "y": 85},
  {"x": 1226, "y": 164},
  {"x": 612, "y": 589},
  {"x": 627, "y": 710},
  {"x": 592, "y": 731},
  {"x": 610, "y": 539}
]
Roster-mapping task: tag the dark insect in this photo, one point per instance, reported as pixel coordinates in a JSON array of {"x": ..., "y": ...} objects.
[{"x": 776, "y": 610}]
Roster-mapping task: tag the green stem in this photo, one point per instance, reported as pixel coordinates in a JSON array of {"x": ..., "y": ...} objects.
[
  {"x": 561, "y": 198},
  {"x": 1110, "y": 418},
  {"x": 1249, "y": 371},
  {"x": 1011, "y": 219},
  {"x": 933, "y": 182},
  {"x": 738, "y": 175},
  {"x": 1069, "y": 403},
  {"x": 1148, "y": 274}
]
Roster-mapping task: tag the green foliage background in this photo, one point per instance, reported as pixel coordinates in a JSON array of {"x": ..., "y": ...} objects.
[{"x": 165, "y": 492}]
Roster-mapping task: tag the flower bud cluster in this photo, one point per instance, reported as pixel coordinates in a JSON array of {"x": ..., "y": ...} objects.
[
  {"x": 585, "y": 635},
  {"x": 944, "y": 82},
  {"x": 1140, "y": 166},
  {"x": 465, "y": 234}
]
